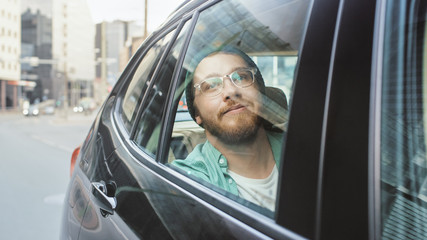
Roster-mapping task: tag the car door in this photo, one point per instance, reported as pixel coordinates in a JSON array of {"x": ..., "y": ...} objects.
[
  {"x": 189, "y": 208},
  {"x": 116, "y": 205}
]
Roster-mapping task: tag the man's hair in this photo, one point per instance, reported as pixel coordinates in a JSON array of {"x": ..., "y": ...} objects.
[{"x": 189, "y": 90}]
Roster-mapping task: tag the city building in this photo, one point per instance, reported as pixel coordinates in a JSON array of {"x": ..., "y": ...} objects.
[
  {"x": 10, "y": 50},
  {"x": 57, "y": 51},
  {"x": 36, "y": 43},
  {"x": 110, "y": 39},
  {"x": 73, "y": 49},
  {"x": 128, "y": 50}
]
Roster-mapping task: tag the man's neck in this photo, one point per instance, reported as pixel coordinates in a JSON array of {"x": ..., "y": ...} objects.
[{"x": 252, "y": 159}]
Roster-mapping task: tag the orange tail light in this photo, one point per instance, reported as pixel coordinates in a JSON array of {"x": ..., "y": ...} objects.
[{"x": 73, "y": 159}]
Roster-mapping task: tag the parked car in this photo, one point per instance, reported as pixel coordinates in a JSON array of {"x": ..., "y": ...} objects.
[
  {"x": 353, "y": 161},
  {"x": 86, "y": 105},
  {"x": 47, "y": 107},
  {"x": 49, "y": 110},
  {"x": 31, "y": 110}
]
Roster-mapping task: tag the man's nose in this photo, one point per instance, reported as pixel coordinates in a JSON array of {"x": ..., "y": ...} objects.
[{"x": 229, "y": 90}]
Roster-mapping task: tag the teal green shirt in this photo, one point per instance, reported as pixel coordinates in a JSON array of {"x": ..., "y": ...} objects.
[{"x": 207, "y": 163}]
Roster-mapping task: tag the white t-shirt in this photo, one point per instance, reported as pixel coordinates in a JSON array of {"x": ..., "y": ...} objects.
[{"x": 259, "y": 191}]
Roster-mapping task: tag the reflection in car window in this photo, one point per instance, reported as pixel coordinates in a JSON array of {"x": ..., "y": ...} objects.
[
  {"x": 148, "y": 129},
  {"x": 232, "y": 108},
  {"x": 404, "y": 122},
  {"x": 140, "y": 81}
]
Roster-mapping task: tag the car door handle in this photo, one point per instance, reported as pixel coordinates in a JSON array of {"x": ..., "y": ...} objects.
[{"x": 103, "y": 199}]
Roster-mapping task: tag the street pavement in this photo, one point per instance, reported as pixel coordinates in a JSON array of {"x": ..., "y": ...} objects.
[{"x": 34, "y": 171}]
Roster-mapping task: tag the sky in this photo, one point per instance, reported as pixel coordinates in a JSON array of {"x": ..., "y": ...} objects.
[{"x": 109, "y": 10}]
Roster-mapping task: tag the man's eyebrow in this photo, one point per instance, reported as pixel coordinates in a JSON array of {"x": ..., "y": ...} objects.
[{"x": 210, "y": 75}]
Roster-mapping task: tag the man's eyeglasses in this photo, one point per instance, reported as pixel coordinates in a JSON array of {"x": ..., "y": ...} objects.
[{"x": 241, "y": 78}]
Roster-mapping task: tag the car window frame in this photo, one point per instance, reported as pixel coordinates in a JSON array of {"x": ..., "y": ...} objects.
[
  {"x": 154, "y": 78},
  {"x": 222, "y": 202},
  {"x": 239, "y": 204},
  {"x": 130, "y": 71}
]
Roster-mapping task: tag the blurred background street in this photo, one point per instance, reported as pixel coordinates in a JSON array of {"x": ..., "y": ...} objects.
[
  {"x": 34, "y": 171},
  {"x": 59, "y": 60}
]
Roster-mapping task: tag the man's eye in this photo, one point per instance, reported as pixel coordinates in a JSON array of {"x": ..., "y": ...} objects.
[
  {"x": 211, "y": 85},
  {"x": 243, "y": 76},
  {"x": 237, "y": 76}
]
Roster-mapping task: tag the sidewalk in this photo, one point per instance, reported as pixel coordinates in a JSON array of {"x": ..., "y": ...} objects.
[
  {"x": 71, "y": 117},
  {"x": 58, "y": 118},
  {"x": 10, "y": 114}
]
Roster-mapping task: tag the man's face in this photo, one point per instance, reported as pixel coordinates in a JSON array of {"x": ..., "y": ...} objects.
[{"x": 232, "y": 116}]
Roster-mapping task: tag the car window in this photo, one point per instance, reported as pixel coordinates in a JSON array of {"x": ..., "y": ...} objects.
[
  {"x": 404, "y": 122},
  {"x": 148, "y": 128},
  {"x": 232, "y": 104},
  {"x": 140, "y": 81}
]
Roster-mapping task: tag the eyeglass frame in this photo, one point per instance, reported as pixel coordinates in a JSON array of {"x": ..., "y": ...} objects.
[{"x": 250, "y": 69}]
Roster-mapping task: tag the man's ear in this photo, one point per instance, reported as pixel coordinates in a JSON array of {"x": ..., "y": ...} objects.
[{"x": 198, "y": 120}]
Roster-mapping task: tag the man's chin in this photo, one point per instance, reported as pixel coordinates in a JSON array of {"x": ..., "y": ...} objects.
[
  {"x": 232, "y": 132},
  {"x": 238, "y": 135}
]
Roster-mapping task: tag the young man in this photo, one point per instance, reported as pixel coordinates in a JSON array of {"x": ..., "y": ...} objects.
[{"x": 225, "y": 97}]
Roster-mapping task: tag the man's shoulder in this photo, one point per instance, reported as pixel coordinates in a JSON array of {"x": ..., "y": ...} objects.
[
  {"x": 195, "y": 161},
  {"x": 195, "y": 156}
]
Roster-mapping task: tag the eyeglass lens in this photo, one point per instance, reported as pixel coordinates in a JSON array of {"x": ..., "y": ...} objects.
[{"x": 241, "y": 78}]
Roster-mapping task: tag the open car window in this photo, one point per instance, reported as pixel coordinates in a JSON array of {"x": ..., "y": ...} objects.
[{"x": 258, "y": 43}]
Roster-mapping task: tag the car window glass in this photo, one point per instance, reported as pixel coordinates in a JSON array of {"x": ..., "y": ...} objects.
[
  {"x": 140, "y": 81},
  {"x": 232, "y": 104},
  {"x": 404, "y": 122},
  {"x": 148, "y": 129}
]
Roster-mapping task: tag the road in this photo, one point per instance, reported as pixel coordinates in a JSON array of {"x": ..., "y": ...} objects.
[{"x": 34, "y": 171}]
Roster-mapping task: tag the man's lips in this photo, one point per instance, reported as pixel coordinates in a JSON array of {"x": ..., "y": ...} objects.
[{"x": 234, "y": 108}]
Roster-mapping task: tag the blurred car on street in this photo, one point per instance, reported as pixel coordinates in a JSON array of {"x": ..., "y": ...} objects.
[
  {"x": 86, "y": 105},
  {"x": 32, "y": 110},
  {"x": 49, "y": 110},
  {"x": 47, "y": 107},
  {"x": 353, "y": 161}
]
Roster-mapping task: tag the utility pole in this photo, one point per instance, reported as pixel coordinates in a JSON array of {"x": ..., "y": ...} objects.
[
  {"x": 104, "y": 69},
  {"x": 65, "y": 103},
  {"x": 145, "y": 19}
]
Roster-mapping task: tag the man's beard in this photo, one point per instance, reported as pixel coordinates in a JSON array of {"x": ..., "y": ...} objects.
[{"x": 244, "y": 129}]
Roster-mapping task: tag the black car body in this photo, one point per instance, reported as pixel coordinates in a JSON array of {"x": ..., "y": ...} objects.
[{"x": 353, "y": 162}]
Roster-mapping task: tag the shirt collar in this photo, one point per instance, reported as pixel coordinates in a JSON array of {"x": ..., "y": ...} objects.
[{"x": 273, "y": 138}]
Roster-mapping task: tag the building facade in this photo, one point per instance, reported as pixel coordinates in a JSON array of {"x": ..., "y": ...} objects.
[
  {"x": 36, "y": 42},
  {"x": 73, "y": 49},
  {"x": 10, "y": 50},
  {"x": 110, "y": 39}
]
